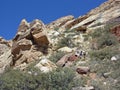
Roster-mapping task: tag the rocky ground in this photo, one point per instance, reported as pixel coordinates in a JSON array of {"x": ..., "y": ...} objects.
[{"x": 87, "y": 45}]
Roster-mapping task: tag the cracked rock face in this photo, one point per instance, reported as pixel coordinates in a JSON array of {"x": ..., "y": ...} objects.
[
  {"x": 5, "y": 55},
  {"x": 28, "y": 42},
  {"x": 97, "y": 17}
]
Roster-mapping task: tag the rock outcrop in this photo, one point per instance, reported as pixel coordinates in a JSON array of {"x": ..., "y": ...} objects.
[
  {"x": 46, "y": 65},
  {"x": 97, "y": 17},
  {"x": 5, "y": 55},
  {"x": 67, "y": 42},
  {"x": 68, "y": 59},
  {"x": 36, "y": 39},
  {"x": 30, "y": 42},
  {"x": 60, "y": 22}
]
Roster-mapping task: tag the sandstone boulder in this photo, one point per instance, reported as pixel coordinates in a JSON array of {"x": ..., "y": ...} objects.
[
  {"x": 41, "y": 39},
  {"x": 37, "y": 26},
  {"x": 26, "y": 57},
  {"x": 67, "y": 60},
  {"x": 116, "y": 30},
  {"x": 39, "y": 33},
  {"x": 23, "y": 44},
  {"x": 46, "y": 65},
  {"x": 30, "y": 40},
  {"x": 65, "y": 49},
  {"x": 83, "y": 70}
]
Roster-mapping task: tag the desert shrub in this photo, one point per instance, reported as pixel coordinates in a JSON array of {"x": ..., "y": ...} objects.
[
  {"x": 108, "y": 70},
  {"x": 108, "y": 84},
  {"x": 66, "y": 41},
  {"x": 96, "y": 33},
  {"x": 100, "y": 60},
  {"x": 60, "y": 79},
  {"x": 105, "y": 68},
  {"x": 56, "y": 56},
  {"x": 17, "y": 80},
  {"x": 104, "y": 37},
  {"x": 99, "y": 85},
  {"x": 86, "y": 37},
  {"x": 105, "y": 53},
  {"x": 56, "y": 28},
  {"x": 107, "y": 40}
]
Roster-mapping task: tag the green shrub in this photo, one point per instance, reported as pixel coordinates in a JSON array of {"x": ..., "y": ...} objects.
[
  {"x": 66, "y": 41},
  {"x": 107, "y": 40},
  {"x": 100, "y": 60},
  {"x": 104, "y": 37},
  {"x": 105, "y": 53},
  {"x": 17, "y": 80},
  {"x": 60, "y": 79},
  {"x": 86, "y": 37},
  {"x": 56, "y": 56},
  {"x": 56, "y": 28}
]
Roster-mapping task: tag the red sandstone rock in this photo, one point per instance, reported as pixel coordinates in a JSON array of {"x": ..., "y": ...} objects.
[{"x": 83, "y": 70}]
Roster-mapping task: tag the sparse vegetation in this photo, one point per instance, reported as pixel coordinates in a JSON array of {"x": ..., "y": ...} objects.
[
  {"x": 56, "y": 28},
  {"x": 66, "y": 41},
  {"x": 56, "y": 56},
  {"x": 60, "y": 79},
  {"x": 101, "y": 63}
]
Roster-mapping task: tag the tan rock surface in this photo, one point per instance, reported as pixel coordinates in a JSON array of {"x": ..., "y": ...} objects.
[
  {"x": 98, "y": 16},
  {"x": 23, "y": 44},
  {"x": 5, "y": 54},
  {"x": 60, "y": 22},
  {"x": 5, "y": 61},
  {"x": 41, "y": 39},
  {"x": 46, "y": 65},
  {"x": 83, "y": 70}
]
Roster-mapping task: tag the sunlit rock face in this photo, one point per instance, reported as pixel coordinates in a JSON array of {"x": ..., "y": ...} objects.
[
  {"x": 5, "y": 55},
  {"x": 35, "y": 39},
  {"x": 97, "y": 17},
  {"x": 30, "y": 42}
]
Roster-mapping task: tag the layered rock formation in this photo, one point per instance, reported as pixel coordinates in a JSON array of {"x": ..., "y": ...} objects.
[
  {"x": 60, "y": 22},
  {"x": 97, "y": 17},
  {"x": 35, "y": 39},
  {"x": 67, "y": 43},
  {"x": 5, "y": 54},
  {"x": 30, "y": 42}
]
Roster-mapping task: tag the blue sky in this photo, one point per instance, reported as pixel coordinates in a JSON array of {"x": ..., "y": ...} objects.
[{"x": 13, "y": 11}]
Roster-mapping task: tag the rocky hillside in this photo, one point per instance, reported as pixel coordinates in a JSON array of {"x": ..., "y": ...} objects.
[{"x": 86, "y": 49}]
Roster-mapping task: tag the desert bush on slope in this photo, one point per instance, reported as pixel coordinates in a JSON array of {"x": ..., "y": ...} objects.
[
  {"x": 60, "y": 79},
  {"x": 101, "y": 64}
]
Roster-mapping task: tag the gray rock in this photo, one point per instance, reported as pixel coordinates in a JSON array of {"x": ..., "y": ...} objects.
[{"x": 84, "y": 88}]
